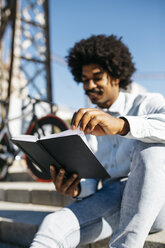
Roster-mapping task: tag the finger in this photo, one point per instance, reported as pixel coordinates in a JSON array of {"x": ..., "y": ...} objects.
[
  {"x": 73, "y": 190},
  {"x": 92, "y": 124},
  {"x": 59, "y": 179},
  {"x": 83, "y": 116},
  {"x": 86, "y": 118},
  {"x": 77, "y": 117},
  {"x": 72, "y": 121},
  {"x": 68, "y": 183},
  {"x": 52, "y": 172}
]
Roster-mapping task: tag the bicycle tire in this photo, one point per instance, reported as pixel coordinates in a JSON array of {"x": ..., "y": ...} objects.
[
  {"x": 3, "y": 159},
  {"x": 50, "y": 124},
  {"x": 6, "y": 157}
]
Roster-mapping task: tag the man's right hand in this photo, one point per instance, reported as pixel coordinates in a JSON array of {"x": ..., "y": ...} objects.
[
  {"x": 66, "y": 186},
  {"x": 97, "y": 122}
]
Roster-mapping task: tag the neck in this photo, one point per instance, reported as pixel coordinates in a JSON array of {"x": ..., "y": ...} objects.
[{"x": 109, "y": 102}]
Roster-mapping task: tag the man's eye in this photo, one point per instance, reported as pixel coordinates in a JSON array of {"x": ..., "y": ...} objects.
[{"x": 96, "y": 79}]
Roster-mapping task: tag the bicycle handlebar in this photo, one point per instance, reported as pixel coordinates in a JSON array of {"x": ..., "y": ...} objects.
[{"x": 34, "y": 101}]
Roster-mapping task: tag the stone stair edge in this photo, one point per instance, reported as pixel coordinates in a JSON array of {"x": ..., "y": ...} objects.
[
  {"x": 32, "y": 192},
  {"x": 9, "y": 245},
  {"x": 15, "y": 206},
  {"x": 26, "y": 185},
  {"x": 15, "y": 184},
  {"x": 15, "y": 228}
]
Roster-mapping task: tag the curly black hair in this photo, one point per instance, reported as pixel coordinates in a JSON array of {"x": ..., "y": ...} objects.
[{"x": 107, "y": 51}]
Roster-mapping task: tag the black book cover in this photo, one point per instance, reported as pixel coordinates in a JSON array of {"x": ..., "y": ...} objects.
[{"x": 68, "y": 152}]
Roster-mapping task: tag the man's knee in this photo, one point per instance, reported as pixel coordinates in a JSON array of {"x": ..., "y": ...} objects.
[
  {"x": 60, "y": 227},
  {"x": 159, "y": 223},
  {"x": 149, "y": 155}
]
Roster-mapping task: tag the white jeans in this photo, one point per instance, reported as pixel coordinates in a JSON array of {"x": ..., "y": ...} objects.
[{"x": 127, "y": 209}]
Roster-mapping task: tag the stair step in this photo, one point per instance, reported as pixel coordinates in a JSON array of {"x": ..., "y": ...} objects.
[
  {"x": 7, "y": 245},
  {"x": 19, "y": 172},
  {"x": 17, "y": 219},
  {"x": 21, "y": 220},
  {"x": 32, "y": 192},
  {"x": 25, "y": 202},
  {"x": 156, "y": 240},
  {"x": 21, "y": 176}
]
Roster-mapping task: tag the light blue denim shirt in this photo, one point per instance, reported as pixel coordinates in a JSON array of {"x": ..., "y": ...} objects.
[{"x": 146, "y": 116}]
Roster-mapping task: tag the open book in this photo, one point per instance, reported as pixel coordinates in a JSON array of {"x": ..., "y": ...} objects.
[{"x": 68, "y": 150}]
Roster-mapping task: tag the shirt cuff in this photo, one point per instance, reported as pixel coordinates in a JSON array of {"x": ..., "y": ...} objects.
[
  {"x": 88, "y": 187},
  {"x": 138, "y": 128}
]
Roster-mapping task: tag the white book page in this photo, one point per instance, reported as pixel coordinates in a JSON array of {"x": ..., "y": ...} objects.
[
  {"x": 25, "y": 137},
  {"x": 32, "y": 138},
  {"x": 64, "y": 133},
  {"x": 68, "y": 133}
]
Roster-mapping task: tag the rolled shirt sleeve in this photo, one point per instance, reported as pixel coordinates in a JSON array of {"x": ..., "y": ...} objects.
[
  {"x": 149, "y": 128},
  {"x": 149, "y": 123},
  {"x": 88, "y": 187}
]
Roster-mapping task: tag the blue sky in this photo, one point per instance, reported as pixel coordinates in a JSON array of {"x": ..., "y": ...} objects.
[{"x": 139, "y": 22}]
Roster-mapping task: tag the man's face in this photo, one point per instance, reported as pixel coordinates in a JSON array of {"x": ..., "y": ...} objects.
[{"x": 99, "y": 86}]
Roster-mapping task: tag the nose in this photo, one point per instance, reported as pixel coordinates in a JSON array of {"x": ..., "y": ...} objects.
[{"x": 90, "y": 85}]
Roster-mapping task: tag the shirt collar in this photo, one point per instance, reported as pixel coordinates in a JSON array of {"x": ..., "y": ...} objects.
[{"x": 119, "y": 105}]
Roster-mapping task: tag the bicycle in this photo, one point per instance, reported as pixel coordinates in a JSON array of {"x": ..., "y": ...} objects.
[{"x": 39, "y": 126}]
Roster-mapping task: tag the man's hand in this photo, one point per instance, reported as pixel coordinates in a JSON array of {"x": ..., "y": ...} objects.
[
  {"x": 66, "y": 186},
  {"x": 97, "y": 122}
]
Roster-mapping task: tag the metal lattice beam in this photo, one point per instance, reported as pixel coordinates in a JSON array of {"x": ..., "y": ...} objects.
[
  {"x": 28, "y": 47},
  {"x": 35, "y": 56}
]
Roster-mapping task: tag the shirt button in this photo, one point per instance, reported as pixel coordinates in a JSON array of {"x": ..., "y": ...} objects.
[
  {"x": 112, "y": 166},
  {"x": 114, "y": 145}
]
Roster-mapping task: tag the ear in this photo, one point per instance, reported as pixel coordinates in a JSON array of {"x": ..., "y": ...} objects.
[{"x": 115, "y": 81}]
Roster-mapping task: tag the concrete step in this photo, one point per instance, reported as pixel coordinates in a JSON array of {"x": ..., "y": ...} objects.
[
  {"x": 32, "y": 192},
  {"x": 20, "y": 176},
  {"x": 156, "y": 240},
  {"x": 21, "y": 187},
  {"x": 19, "y": 223},
  {"x": 7, "y": 245},
  {"x": 24, "y": 203},
  {"x": 19, "y": 172}
]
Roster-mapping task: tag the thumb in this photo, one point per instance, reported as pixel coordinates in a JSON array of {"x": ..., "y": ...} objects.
[{"x": 52, "y": 172}]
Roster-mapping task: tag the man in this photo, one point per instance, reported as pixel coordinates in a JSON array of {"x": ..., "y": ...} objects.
[{"x": 127, "y": 135}]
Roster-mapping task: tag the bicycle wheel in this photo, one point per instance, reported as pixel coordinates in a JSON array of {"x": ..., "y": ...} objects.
[
  {"x": 44, "y": 126},
  {"x": 6, "y": 156}
]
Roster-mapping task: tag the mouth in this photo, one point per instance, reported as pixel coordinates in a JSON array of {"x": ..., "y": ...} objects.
[{"x": 94, "y": 95}]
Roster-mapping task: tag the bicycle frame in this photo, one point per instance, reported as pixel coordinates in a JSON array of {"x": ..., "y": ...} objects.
[
  {"x": 8, "y": 151},
  {"x": 12, "y": 151}
]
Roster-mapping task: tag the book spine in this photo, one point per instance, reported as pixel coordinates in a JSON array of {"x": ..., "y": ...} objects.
[
  {"x": 30, "y": 157},
  {"x": 57, "y": 165}
]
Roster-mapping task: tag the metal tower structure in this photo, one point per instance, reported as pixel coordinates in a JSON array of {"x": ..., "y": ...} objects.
[{"x": 25, "y": 48}]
